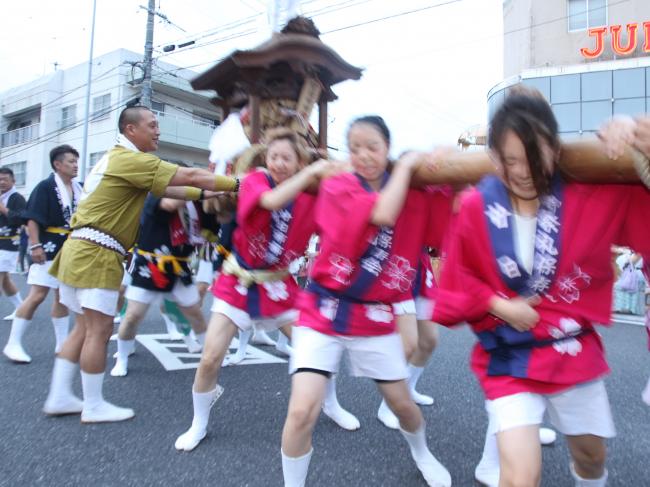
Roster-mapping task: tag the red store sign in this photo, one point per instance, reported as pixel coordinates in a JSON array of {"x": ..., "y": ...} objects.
[{"x": 599, "y": 34}]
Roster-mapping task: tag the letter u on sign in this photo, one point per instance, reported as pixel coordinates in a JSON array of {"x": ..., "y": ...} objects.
[{"x": 599, "y": 33}]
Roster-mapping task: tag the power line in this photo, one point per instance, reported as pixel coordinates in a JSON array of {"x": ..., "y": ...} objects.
[
  {"x": 213, "y": 30},
  {"x": 323, "y": 11},
  {"x": 486, "y": 38},
  {"x": 315, "y": 13},
  {"x": 214, "y": 41},
  {"x": 70, "y": 101},
  {"x": 400, "y": 14},
  {"x": 66, "y": 93},
  {"x": 335, "y": 8},
  {"x": 408, "y": 12}
]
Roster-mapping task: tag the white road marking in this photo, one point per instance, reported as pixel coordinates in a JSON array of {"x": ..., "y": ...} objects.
[{"x": 169, "y": 353}]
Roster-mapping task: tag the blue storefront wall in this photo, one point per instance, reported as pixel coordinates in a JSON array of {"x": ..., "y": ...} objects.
[{"x": 582, "y": 102}]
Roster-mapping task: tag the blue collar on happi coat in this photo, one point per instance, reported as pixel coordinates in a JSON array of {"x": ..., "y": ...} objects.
[{"x": 500, "y": 216}]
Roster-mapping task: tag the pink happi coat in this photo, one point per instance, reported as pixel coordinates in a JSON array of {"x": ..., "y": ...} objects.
[
  {"x": 572, "y": 275},
  {"x": 267, "y": 240},
  {"x": 362, "y": 268}
]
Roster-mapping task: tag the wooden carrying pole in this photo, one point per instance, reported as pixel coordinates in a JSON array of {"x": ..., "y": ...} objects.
[{"x": 580, "y": 161}]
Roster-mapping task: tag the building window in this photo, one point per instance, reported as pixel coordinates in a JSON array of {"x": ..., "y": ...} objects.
[
  {"x": 158, "y": 107},
  {"x": 630, "y": 106},
  {"x": 565, "y": 88},
  {"x": 205, "y": 119},
  {"x": 594, "y": 114},
  {"x": 93, "y": 159},
  {"x": 68, "y": 116},
  {"x": 19, "y": 169},
  {"x": 629, "y": 83},
  {"x": 101, "y": 107},
  {"x": 585, "y": 14},
  {"x": 568, "y": 116},
  {"x": 596, "y": 86}
]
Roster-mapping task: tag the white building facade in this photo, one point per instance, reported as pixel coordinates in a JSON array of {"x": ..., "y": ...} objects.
[{"x": 40, "y": 115}]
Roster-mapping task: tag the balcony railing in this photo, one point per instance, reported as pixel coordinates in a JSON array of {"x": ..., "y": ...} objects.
[
  {"x": 194, "y": 121},
  {"x": 184, "y": 131},
  {"x": 20, "y": 136}
]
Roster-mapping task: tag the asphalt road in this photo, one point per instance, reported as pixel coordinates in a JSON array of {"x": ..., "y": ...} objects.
[{"x": 243, "y": 443}]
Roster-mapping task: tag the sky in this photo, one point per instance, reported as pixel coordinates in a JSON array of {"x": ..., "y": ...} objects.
[{"x": 428, "y": 64}]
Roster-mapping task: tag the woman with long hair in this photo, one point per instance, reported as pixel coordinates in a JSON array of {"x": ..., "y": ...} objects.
[{"x": 527, "y": 267}]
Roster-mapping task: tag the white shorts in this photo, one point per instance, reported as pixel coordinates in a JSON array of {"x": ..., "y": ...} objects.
[
  {"x": 378, "y": 357},
  {"x": 8, "y": 260},
  {"x": 243, "y": 321},
  {"x": 102, "y": 300},
  {"x": 39, "y": 275},
  {"x": 205, "y": 272},
  {"x": 581, "y": 410},
  {"x": 184, "y": 296}
]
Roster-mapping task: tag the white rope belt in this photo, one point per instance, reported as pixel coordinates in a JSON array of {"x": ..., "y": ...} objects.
[{"x": 100, "y": 238}]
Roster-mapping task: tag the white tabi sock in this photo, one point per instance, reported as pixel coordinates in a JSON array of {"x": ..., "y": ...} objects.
[
  {"x": 124, "y": 349},
  {"x": 432, "y": 470},
  {"x": 95, "y": 408},
  {"x": 172, "y": 329},
  {"x": 202, "y": 403},
  {"x": 488, "y": 469},
  {"x": 92, "y": 385},
  {"x": 414, "y": 375},
  {"x": 333, "y": 409},
  {"x": 260, "y": 337},
  {"x": 192, "y": 345},
  {"x": 386, "y": 416},
  {"x": 16, "y": 300},
  {"x": 295, "y": 470},
  {"x": 61, "y": 329},
  {"x": 61, "y": 399},
  {"x": 244, "y": 337},
  {"x": 282, "y": 345},
  {"x": 580, "y": 482},
  {"x": 14, "y": 349},
  {"x": 240, "y": 354}
]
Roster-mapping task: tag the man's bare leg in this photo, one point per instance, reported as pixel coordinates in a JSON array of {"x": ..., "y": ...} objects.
[
  {"x": 195, "y": 317},
  {"x": 99, "y": 327},
  {"x": 11, "y": 291},
  {"x": 60, "y": 321}
]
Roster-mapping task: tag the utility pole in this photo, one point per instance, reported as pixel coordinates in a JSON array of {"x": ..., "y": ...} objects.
[
  {"x": 84, "y": 150},
  {"x": 148, "y": 56}
]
